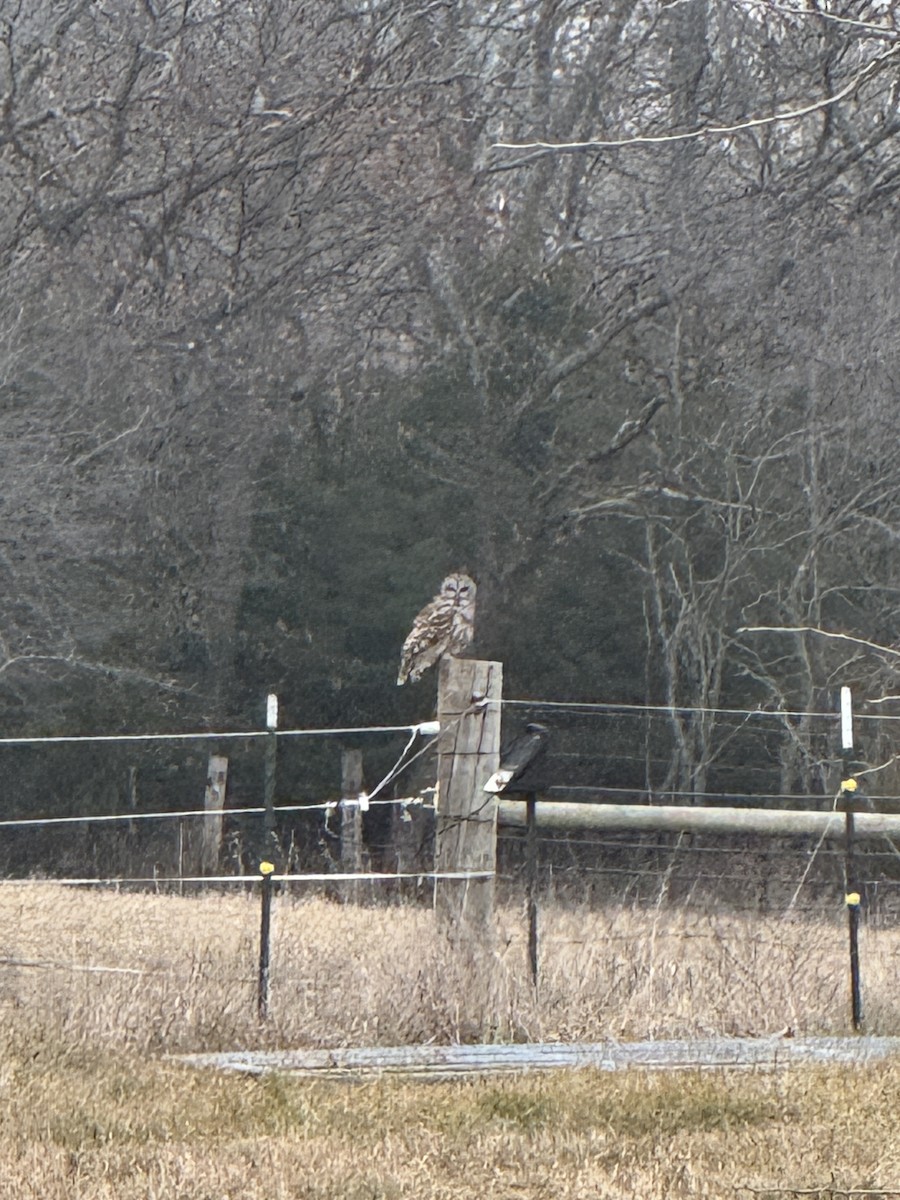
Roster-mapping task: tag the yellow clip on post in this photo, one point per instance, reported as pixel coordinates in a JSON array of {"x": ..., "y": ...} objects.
[
  {"x": 266, "y": 868},
  {"x": 852, "y": 899},
  {"x": 849, "y": 785}
]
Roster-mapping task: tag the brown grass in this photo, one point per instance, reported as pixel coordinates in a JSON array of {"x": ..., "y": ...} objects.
[
  {"x": 84, "y": 1125},
  {"x": 90, "y": 1108},
  {"x": 185, "y": 973}
]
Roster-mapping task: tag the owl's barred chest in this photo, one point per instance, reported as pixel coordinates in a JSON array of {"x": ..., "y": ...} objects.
[{"x": 462, "y": 627}]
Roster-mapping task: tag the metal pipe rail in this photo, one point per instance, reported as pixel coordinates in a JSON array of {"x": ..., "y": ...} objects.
[{"x": 565, "y": 816}]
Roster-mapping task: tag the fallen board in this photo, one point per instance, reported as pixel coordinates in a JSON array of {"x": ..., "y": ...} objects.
[{"x": 444, "y": 1062}]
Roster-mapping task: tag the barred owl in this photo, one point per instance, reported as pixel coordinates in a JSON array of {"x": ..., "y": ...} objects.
[{"x": 444, "y": 626}]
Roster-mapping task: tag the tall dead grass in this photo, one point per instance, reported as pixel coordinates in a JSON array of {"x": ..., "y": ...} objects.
[{"x": 162, "y": 972}]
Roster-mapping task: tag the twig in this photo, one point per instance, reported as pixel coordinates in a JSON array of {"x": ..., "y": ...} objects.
[
  {"x": 79, "y": 462},
  {"x": 844, "y": 637},
  {"x": 708, "y": 130},
  {"x": 822, "y": 15}
]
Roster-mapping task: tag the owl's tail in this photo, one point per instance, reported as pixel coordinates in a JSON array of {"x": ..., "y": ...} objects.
[{"x": 408, "y": 672}]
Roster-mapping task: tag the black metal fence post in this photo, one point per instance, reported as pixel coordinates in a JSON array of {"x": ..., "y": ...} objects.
[
  {"x": 852, "y": 895},
  {"x": 853, "y": 899},
  {"x": 531, "y": 859},
  {"x": 266, "y": 870}
]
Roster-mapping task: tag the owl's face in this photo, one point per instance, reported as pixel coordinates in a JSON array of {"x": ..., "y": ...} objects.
[{"x": 459, "y": 588}]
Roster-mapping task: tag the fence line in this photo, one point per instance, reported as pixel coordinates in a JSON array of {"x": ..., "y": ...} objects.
[
  {"x": 430, "y": 728},
  {"x": 655, "y": 794},
  {"x": 258, "y": 810},
  {"x": 426, "y": 728},
  {"x": 676, "y": 876},
  {"x": 603, "y": 707},
  {"x": 317, "y": 877},
  {"x": 517, "y": 837}
]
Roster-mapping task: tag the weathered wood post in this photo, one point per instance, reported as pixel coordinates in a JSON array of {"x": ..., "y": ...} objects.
[
  {"x": 469, "y": 694},
  {"x": 213, "y": 804},
  {"x": 132, "y": 797},
  {"x": 351, "y": 819},
  {"x": 131, "y": 828}
]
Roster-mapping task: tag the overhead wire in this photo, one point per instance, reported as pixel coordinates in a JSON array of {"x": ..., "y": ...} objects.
[
  {"x": 180, "y": 814},
  {"x": 276, "y": 877},
  {"x": 612, "y": 708},
  {"x": 618, "y": 708},
  {"x": 202, "y": 735},
  {"x": 655, "y": 794}
]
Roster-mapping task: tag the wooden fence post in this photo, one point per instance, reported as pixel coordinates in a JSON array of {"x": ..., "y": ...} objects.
[
  {"x": 351, "y": 819},
  {"x": 469, "y": 694},
  {"x": 213, "y": 803}
]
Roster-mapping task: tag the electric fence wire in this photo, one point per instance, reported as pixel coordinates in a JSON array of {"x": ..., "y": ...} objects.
[
  {"x": 405, "y": 759},
  {"x": 611, "y": 708},
  {"x": 181, "y": 814},
  {"x": 617, "y": 708},
  {"x": 778, "y": 851},
  {"x": 203, "y": 735},
  {"x": 242, "y": 880}
]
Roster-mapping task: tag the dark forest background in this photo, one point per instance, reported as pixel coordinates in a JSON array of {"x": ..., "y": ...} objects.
[{"x": 286, "y": 334}]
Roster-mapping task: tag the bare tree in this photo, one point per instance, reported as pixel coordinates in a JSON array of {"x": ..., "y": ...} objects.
[{"x": 560, "y": 293}]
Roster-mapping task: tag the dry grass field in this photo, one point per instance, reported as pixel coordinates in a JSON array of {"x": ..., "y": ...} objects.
[
  {"x": 93, "y": 1108},
  {"x": 179, "y": 973}
]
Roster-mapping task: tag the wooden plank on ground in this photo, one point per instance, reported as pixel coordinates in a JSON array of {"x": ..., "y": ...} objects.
[{"x": 441, "y": 1062}]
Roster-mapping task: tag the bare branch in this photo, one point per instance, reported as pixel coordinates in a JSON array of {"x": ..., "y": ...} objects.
[
  {"x": 124, "y": 673},
  {"x": 767, "y": 6},
  {"x": 626, "y": 433},
  {"x": 844, "y": 637},
  {"x": 712, "y": 130},
  {"x": 82, "y": 459}
]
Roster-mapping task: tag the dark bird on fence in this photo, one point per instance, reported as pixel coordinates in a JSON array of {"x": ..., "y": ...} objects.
[
  {"x": 517, "y": 756},
  {"x": 446, "y": 625}
]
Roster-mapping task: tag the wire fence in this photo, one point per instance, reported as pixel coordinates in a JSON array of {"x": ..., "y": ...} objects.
[
  {"x": 108, "y": 811},
  {"x": 605, "y": 913}
]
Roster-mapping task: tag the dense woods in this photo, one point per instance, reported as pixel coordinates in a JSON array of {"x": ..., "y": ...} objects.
[{"x": 305, "y": 303}]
